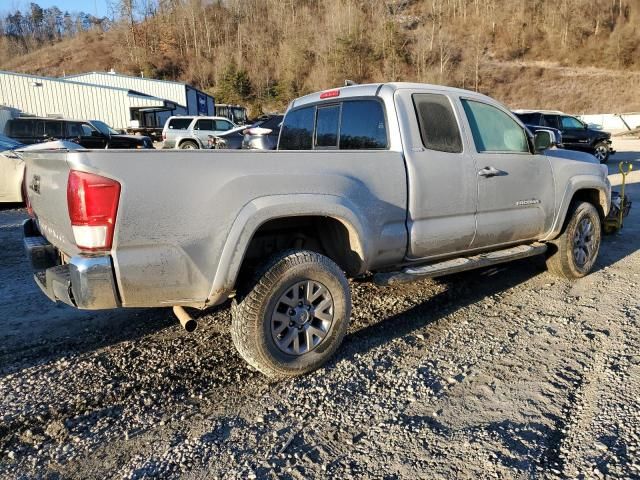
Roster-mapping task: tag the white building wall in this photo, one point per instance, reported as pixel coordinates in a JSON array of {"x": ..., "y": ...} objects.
[
  {"x": 611, "y": 122},
  {"x": 43, "y": 96},
  {"x": 174, "y": 91}
]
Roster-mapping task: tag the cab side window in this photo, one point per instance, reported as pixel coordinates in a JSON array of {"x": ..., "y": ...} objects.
[
  {"x": 493, "y": 130},
  {"x": 363, "y": 126},
  {"x": 438, "y": 126}
]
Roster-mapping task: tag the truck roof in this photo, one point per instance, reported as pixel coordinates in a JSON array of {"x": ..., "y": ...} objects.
[{"x": 377, "y": 89}]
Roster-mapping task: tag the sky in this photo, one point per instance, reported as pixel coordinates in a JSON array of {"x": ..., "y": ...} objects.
[{"x": 98, "y": 8}]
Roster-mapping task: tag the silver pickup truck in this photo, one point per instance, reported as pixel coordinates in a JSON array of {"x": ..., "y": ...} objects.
[{"x": 397, "y": 181}]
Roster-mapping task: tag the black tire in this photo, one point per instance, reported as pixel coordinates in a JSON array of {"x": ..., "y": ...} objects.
[
  {"x": 601, "y": 151},
  {"x": 253, "y": 313},
  {"x": 569, "y": 256},
  {"x": 189, "y": 145}
]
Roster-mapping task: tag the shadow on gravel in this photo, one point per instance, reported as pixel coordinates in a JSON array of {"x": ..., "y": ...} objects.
[
  {"x": 81, "y": 332},
  {"x": 463, "y": 290}
]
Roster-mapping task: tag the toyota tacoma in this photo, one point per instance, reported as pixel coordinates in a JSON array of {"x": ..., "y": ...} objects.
[{"x": 392, "y": 182}]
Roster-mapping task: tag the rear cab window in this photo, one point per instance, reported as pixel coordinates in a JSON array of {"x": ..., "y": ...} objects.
[{"x": 347, "y": 125}]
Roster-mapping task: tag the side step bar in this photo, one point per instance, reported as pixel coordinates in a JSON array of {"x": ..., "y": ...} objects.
[{"x": 460, "y": 264}]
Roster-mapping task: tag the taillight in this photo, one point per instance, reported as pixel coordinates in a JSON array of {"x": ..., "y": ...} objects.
[
  {"x": 25, "y": 195},
  {"x": 93, "y": 205}
]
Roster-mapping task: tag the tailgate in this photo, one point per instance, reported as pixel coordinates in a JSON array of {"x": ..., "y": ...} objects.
[{"x": 46, "y": 180}]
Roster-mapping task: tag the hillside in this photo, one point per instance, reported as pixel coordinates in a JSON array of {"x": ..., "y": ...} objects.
[{"x": 535, "y": 53}]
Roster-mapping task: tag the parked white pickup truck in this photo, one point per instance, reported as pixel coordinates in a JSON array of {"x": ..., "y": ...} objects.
[{"x": 405, "y": 181}]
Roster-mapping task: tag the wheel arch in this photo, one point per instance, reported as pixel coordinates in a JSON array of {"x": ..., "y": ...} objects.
[
  {"x": 182, "y": 140},
  {"x": 582, "y": 189},
  {"x": 336, "y": 218}
]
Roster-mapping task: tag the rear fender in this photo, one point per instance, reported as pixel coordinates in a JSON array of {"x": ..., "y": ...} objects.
[{"x": 263, "y": 209}]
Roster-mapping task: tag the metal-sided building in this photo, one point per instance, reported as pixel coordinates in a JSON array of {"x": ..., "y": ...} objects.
[
  {"x": 117, "y": 100},
  {"x": 190, "y": 100}
]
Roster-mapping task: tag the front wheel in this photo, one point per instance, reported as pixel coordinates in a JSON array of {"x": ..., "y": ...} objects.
[
  {"x": 294, "y": 316},
  {"x": 574, "y": 252},
  {"x": 601, "y": 152}
]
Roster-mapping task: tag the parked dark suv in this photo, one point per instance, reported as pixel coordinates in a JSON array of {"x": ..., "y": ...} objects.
[
  {"x": 90, "y": 134},
  {"x": 576, "y": 135}
]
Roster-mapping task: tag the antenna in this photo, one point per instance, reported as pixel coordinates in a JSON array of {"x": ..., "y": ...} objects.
[{"x": 349, "y": 83}]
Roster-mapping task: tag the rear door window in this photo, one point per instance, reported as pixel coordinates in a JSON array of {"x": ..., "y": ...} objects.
[
  {"x": 327, "y": 123},
  {"x": 363, "y": 125},
  {"x": 180, "y": 123},
  {"x": 205, "y": 124},
  {"x": 551, "y": 121},
  {"x": 53, "y": 129},
  {"x": 297, "y": 130},
  {"x": 438, "y": 125},
  {"x": 529, "y": 118}
]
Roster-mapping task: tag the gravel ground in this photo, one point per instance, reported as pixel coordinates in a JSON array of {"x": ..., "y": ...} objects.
[{"x": 507, "y": 372}]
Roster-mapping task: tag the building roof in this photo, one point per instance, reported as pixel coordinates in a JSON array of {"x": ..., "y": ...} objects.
[
  {"x": 83, "y": 84},
  {"x": 86, "y": 74}
]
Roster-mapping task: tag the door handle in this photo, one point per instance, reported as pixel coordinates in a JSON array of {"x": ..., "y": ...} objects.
[{"x": 490, "y": 172}]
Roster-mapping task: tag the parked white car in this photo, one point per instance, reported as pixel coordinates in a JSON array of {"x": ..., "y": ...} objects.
[
  {"x": 11, "y": 170},
  {"x": 193, "y": 133},
  {"x": 12, "y": 164}
]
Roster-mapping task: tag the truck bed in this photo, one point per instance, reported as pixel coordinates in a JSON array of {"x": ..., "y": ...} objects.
[{"x": 182, "y": 214}]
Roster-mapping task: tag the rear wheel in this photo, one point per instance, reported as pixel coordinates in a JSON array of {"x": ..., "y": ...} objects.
[
  {"x": 601, "y": 152},
  {"x": 575, "y": 251},
  {"x": 189, "y": 145},
  {"x": 293, "y": 316}
]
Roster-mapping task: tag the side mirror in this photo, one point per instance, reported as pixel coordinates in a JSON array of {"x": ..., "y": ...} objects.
[
  {"x": 543, "y": 140},
  {"x": 95, "y": 133}
]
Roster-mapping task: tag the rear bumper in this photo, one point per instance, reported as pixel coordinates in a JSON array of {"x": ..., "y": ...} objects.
[{"x": 84, "y": 282}]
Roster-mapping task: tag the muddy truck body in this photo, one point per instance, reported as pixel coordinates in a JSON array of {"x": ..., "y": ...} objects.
[{"x": 394, "y": 182}]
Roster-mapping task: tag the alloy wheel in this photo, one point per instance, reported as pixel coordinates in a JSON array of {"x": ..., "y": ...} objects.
[{"x": 302, "y": 317}]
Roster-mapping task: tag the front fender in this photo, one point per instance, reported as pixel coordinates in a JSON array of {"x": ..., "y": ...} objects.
[
  {"x": 263, "y": 209},
  {"x": 574, "y": 185}
]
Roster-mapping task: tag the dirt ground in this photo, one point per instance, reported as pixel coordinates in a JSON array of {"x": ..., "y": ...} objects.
[{"x": 506, "y": 373}]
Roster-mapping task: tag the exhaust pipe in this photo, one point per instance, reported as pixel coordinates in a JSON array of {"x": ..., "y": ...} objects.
[{"x": 186, "y": 320}]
